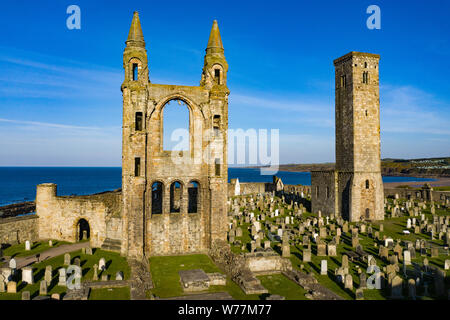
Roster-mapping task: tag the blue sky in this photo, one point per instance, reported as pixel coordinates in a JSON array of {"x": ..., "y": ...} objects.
[{"x": 60, "y": 98}]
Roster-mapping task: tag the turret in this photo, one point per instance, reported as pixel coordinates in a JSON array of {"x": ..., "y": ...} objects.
[{"x": 215, "y": 67}]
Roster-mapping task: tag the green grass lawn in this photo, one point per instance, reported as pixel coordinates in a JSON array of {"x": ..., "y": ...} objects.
[
  {"x": 18, "y": 250},
  {"x": 114, "y": 263},
  {"x": 166, "y": 279},
  {"x": 110, "y": 294},
  {"x": 279, "y": 284}
]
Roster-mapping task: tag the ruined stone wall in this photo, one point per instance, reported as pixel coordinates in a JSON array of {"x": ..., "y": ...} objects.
[
  {"x": 59, "y": 216},
  {"x": 418, "y": 194},
  {"x": 19, "y": 229},
  {"x": 323, "y": 192},
  {"x": 266, "y": 263},
  {"x": 150, "y": 226}
]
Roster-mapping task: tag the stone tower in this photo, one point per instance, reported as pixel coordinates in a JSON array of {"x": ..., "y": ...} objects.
[
  {"x": 358, "y": 163},
  {"x": 174, "y": 202}
]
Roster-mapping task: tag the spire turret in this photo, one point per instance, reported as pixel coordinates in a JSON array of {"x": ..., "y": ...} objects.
[{"x": 135, "y": 36}]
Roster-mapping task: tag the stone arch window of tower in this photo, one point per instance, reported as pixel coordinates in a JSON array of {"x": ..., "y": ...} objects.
[
  {"x": 343, "y": 81},
  {"x": 216, "y": 125},
  {"x": 135, "y": 69},
  {"x": 367, "y": 184},
  {"x": 366, "y": 77}
]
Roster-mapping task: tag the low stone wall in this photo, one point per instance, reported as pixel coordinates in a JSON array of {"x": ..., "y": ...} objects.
[
  {"x": 266, "y": 263},
  {"x": 19, "y": 229},
  {"x": 419, "y": 194}
]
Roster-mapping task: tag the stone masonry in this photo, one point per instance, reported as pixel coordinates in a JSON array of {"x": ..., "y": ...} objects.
[{"x": 354, "y": 190}]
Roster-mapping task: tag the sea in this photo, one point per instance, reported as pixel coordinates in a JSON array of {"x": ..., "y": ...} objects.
[{"x": 18, "y": 184}]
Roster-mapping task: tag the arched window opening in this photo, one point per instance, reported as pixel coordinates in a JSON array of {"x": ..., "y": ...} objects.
[
  {"x": 157, "y": 198},
  {"x": 193, "y": 194},
  {"x": 216, "y": 125},
  {"x": 138, "y": 121},
  {"x": 83, "y": 230},
  {"x": 365, "y": 77},
  {"x": 367, "y": 184},
  {"x": 328, "y": 192},
  {"x": 367, "y": 213},
  {"x": 217, "y": 166},
  {"x": 317, "y": 191},
  {"x": 137, "y": 167},
  {"x": 365, "y": 64},
  {"x": 175, "y": 196},
  {"x": 175, "y": 126},
  {"x": 343, "y": 81},
  {"x": 135, "y": 71},
  {"x": 217, "y": 76}
]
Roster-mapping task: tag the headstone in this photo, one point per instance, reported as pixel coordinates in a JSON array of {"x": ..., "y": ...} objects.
[
  {"x": 48, "y": 275},
  {"x": 25, "y": 295},
  {"x": 344, "y": 261},
  {"x": 412, "y": 289},
  {"x": 359, "y": 293},
  {"x": 56, "y": 296},
  {"x": 43, "y": 288},
  {"x": 324, "y": 267},
  {"x": 102, "y": 264},
  {"x": 11, "y": 287},
  {"x": 95, "y": 276},
  {"x": 89, "y": 251},
  {"x": 396, "y": 287},
  {"x": 306, "y": 255},
  {"x": 67, "y": 259},
  {"x": 62, "y": 277},
  {"x": 12, "y": 264},
  {"x": 27, "y": 275},
  {"x": 406, "y": 258},
  {"x": 348, "y": 284},
  {"x": 119, "y": 275},
  {"x": 50, "y": 243},
  {"x": 27, "y": 245}
]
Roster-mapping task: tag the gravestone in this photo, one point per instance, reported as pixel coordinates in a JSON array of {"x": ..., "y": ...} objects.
[
  {"x": 12, "y": 264},
  {"x": 43, "y": 288},
  {"x": 62, "y": 277},
  {"x": 2, "y": 285},
  {"x": 348, "y": 282},
  {"x": 362, "y": 280},
  {"x": 344, "y": 261},
  {"x": 119, "y": 275},
  {"x": 95, "y": 276},
  {"x": 306, "y": 255},
  {"x": 397, "y": 288},
  {"x": 11, "y": 287},
  {"x": 323, "y": 267},
  {"x": 321, "y": 250},
  {"x": 406, "y": 258},
  {"x": 26, "y": 295},
  {"x": 27, "y": 275},
  {"x": 102, "y": 263},
  {"x": 412, "y": 289},
  {"x": 48, "y": 274},
  {"x": 50, "y": 243},
  {"x": 67, "y": 259},
  {"x": 332, "y": 250},
  {"x": 89, "y": 251},
  {"x": 27, "y": 245},
  {"x": 359, "y": 294}
]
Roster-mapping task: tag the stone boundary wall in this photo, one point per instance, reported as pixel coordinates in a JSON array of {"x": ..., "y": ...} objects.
[
  {"x": 419, "y": 194},
  {"x": 262, "y": 187},
  {"x": 59, "y": 215},
  {"x": 19, "y": 229}
]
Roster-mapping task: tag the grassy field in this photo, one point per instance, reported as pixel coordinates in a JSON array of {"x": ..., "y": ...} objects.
[
  {"x": 114, "y": 263},
  {"x": 166, "y": 279},
  {"x": 18, "y": 250},
  {"x": 280, "y": 285}
]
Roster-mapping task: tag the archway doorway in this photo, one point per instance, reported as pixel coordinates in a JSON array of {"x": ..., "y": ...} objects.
[{"x": 83, "y": 230}]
